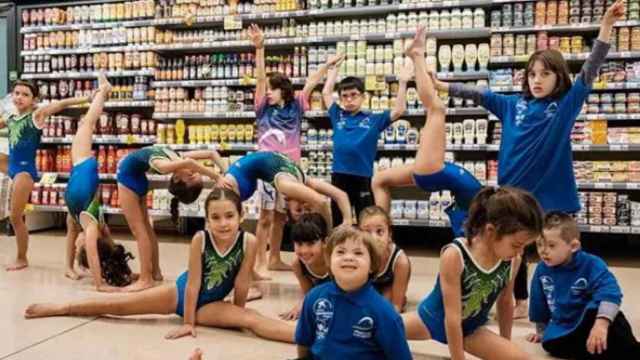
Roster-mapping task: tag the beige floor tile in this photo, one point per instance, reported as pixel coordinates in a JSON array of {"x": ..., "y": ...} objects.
[{"x": 142, "y": 337}]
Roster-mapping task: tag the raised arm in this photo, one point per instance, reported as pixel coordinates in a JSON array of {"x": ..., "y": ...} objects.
[
  {"x": 450, "y": 272},
  {"x": 401, "y": 100},
  {"x": 192, "y": 290},
  {"x": 166, "y": 166},
  {"x": 330, "y": 84},
  {"x": 55, "y": 107},
  {"x": 212, "y": 155},
  {"x": 601, "y": 45},
  {"x": 257, "y": 37},
  {"x": 317, "y": 76}
]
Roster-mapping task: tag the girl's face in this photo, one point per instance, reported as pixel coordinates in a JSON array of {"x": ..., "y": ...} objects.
[
  {"x": 542, "y": 81},
  {"x": 377, "y": 226},
  {"x": 22, "y": 98},
  {"x": 223, "y": 219},
  {"x": 351, "y": 264},
  {"x": 274, "y": 96},
  {"x": 509, "y": 246},
  {"x": 308, "y": 253}
]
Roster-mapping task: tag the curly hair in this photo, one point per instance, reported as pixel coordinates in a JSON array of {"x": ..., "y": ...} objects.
[{"x": 113, "y": 262}]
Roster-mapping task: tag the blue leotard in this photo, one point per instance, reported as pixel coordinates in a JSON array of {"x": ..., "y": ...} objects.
[
  {"x": 24, "y": 140},
  {"x": 82, "y": 187},
  {"x": 133, "y": 168}
]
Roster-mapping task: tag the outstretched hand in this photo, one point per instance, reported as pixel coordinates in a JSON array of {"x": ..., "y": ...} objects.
[
  {"x": 614, "y": 13},
  {"x": 256, "y": 35}
]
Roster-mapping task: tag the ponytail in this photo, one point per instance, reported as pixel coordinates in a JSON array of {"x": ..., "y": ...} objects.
[
  {"x": 509, "y": 209},
  {"x": 175, "y": 212}
]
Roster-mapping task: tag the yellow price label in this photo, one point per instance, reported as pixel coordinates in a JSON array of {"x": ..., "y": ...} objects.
[
  {"x": 371, "y": 83},
  {"x": 247, "y": 80},
  {"x": 29, "y": 208},
  {"x": 48, "y": 178},
  {"x": 131, "y": 139},
  {"x": 225, "y": 146}
]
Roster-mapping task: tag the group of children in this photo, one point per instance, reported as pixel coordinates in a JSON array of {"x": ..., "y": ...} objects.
[{"x": 354, "y": 279}]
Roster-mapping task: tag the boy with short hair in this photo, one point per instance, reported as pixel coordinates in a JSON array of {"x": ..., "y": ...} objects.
[
  {"x": 355, "y": 135},
  {"x": 575, "y": 299}
]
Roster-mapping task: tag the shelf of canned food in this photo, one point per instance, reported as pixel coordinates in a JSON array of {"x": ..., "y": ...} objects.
[
  {"x": 119, "y": 104},
  {"x": 86, "y": 74},
  {"x": 568, "y": 57},
  {"x": 596, "y": 87}
]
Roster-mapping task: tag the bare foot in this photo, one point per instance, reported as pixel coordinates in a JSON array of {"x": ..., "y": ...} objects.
[
  {"x": 72, "y": 274},
  {"x": 138, "y": 286},
  {"x": 521, "y": 309},
  {"x": 256, "y": 276},
  {"x": 19, "y": 264},
  {"x": 157, "y": 276},
  {"x": 44, "y": 310},
  {"x": 418, "y": 45},
  {"x": 135, "y": 276},
  {"x": 279, "y": 266},
  {"x": 254, "y": 294},
  {"x": 196, "y": 355}
]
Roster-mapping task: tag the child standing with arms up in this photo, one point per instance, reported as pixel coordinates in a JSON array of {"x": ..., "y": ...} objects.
[
  {"x": 575, "y": 299},
  {"x": 346, "y": 318},
  {"x": 279, "y": 115},
  {"x": 356, "y": 133},
  {"x": 220, "y": 260},
  {"x": 535, "y": 151},
  {"x": 477, "y": 271},
  {"x": 25, "y": 130}
]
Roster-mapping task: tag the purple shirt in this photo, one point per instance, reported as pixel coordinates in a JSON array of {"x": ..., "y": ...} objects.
[{"x": 279, "y": 127}]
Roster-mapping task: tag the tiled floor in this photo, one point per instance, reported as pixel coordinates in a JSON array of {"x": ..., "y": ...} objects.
[{"x": 142, "y": 337}]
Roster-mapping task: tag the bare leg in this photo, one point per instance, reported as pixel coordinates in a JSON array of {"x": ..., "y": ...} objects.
[
  {"x": 430, "y": 155},
  {"x": 263, "y": 231},
  {"x": 82, "y": 141},
  {"x": 4, "y": 163},
  {"x": 72, "y": 235},
  {"x": 383, "y": 181},
  {"x": 277, "y": 227},
  {"x": 159, "y": 300},
  {"x": 22, "y": 186},
  {"x": 135, "y": 215},
  {"x": 155, "y": 247},
  {"x": 414, "y": 327},
  {"x": 486, "y": 344},
  {"x": 226, "y": 315}
]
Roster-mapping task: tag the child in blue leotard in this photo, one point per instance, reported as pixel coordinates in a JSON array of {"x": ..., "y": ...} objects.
[
  {"x": 86, "y": 228},
  {"x": 535, "y": 150},
  {"x": 477, "y": 271},
  {"x": 25, "y": 131},
  {"x": 288, "y": 180},
  {"x": 185, "y": 185},
  {"x": 221, "y": 258},
  {"x": 429, "y": 172}
]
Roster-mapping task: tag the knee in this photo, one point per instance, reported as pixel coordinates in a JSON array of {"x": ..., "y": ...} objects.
[{"x": 16, "y": 218}]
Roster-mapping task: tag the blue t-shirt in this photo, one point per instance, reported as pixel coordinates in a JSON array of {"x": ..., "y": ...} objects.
[
  {"x": 561, "y": 295},
  {"x": 355, "y": 139},
  {"x": 360, "y": 325},
  {"x": 535, "y": 151}
]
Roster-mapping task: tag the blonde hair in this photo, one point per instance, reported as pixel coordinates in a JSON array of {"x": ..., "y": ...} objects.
[{"x": 341, "y": 234}]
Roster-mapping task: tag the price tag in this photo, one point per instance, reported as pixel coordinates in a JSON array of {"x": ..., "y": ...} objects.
[
  {"x": 48, "y": 178},
  {"x": 355, "y": 37},
  {"x": 232, "y": 22},
  {"x": 188, "y": 83},
  {"x": 603, "y": 185},
  {"x": 401, "y": 221},
  {"x": 633, "y": 186},
  {"x": 29, "y": 208},
  {"x": 371, "y": 83},
  {"x": 131, "y": 139}
]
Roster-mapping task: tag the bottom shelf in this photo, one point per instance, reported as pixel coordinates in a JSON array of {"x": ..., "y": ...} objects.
[{"x": 397, "y": 222}]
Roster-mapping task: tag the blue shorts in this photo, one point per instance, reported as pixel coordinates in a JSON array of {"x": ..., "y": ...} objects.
[
  {"x": 246, "y": 185},
  {"x": 130, "y": 176},
  {"x": 82, "y": 186},
  {"x": 204, "y": 297},
  {"x": 463, "y": 186},
  {"x": 17, "y": 167},
  {"x": 436, "y": 322}
]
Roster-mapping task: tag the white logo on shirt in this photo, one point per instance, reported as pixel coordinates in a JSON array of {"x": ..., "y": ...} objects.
[
  {"x": 323, "y": 309},
  {"x": 547, "y": 288},
  {"x": 579, "y": 287},
  {"x": 521, "y": 109},
  {"x": 364, "y": 328},
  {"x": 550, "y": 111}
]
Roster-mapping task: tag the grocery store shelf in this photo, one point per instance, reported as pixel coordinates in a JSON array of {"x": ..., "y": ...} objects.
[
  {"x": 90, "y": 50},
  {"x": 87, "y": 74},
  {"x": 101, "y": 25},
  {"x": 106, "y": 139}
]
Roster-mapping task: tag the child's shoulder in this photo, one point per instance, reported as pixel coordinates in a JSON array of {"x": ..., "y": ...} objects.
[{"x": 320, "y": 290}]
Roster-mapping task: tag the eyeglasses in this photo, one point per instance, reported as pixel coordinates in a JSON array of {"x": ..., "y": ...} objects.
[{"x": 353, "y": 95}]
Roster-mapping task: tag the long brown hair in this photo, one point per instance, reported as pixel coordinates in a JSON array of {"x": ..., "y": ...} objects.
[{"x": 552, "y": 60}]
